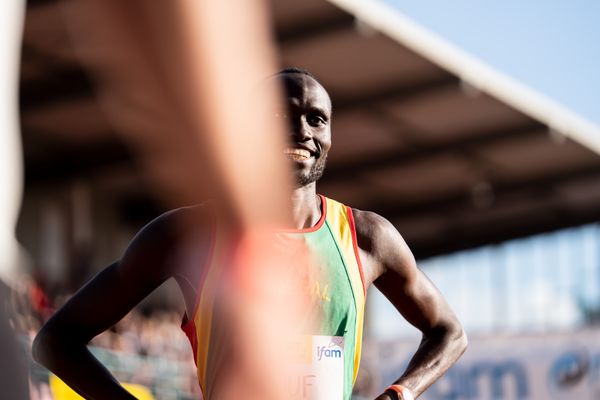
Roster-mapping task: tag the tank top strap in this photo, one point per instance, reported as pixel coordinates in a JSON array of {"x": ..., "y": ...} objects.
[{"x": 340, "y": 221}]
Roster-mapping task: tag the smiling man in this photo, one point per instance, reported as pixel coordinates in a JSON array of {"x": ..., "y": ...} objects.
[{"x": 350, "y": 249}]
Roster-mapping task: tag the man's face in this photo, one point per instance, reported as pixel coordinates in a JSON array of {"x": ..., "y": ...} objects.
[{"x": 307, "y": 113}]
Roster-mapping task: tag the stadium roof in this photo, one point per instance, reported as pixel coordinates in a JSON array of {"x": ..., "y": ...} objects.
[{"x": 452, "y": 152}]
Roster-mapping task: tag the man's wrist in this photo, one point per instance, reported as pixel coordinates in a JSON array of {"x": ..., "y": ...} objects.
[{"x": 399, "y": 392}]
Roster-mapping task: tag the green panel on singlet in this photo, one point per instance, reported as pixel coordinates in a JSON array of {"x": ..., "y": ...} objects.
[
  {"x": 332, "y": 296},
  {"x": 336, "y": 289}
]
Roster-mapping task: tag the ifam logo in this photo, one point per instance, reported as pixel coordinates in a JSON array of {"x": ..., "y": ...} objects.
[{"x": 327, "y": 352}]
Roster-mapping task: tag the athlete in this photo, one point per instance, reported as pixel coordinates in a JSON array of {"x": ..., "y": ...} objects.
[{"x": 354, "y": 249}]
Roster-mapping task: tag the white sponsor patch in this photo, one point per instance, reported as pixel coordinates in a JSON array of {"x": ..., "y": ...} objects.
[{"x": 318, "y": 368}]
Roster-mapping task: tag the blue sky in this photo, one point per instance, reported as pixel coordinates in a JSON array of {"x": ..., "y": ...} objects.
[{"x": 552, "y": 46}]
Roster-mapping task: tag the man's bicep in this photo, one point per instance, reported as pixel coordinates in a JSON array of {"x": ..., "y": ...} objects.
[
  {"x": 113, "y": 292},
  {"x": 417, "y": 299},
  {"x": 101, "y": 303},
  {"x": 407, "y": 287}
]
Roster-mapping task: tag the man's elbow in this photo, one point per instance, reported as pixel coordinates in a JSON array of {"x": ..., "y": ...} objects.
[
  {"x": 454, "y": 337},
  {"x": 39, "y": 346},
  {"x": 44, "y": 347},
  {"x": 462, "y": 341},
  {"x": 458, "y": 337}
]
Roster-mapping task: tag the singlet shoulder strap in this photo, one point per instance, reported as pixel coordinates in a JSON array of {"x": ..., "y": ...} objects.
[{"x": 341, "y": 222}]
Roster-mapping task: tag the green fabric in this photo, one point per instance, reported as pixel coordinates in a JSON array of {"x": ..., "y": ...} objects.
[{"x": 333, "y": 297}]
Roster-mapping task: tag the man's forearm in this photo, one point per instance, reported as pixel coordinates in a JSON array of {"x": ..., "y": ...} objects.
[
  {"x": 77, "y": 367},
  {"x": 437, "y": 352}
]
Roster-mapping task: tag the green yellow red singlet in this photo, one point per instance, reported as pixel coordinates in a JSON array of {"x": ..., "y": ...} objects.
[{"x": 339, "y": 292}]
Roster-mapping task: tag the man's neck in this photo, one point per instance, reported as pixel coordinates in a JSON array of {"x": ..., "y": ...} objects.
[{"x": 306, "y": 206}]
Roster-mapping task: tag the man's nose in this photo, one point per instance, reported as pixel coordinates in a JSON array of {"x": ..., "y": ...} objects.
[{"x": 301, "y": 130}]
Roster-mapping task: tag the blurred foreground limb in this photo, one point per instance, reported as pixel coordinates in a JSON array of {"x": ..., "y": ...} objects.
[
  {"x": 178, "y": 79},
  {"x": 13, "y": 376}
]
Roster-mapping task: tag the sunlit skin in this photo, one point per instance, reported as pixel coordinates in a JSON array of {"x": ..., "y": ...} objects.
[
  {"x": 148, "y": 262},
  {"x": 308, "y": 114}
]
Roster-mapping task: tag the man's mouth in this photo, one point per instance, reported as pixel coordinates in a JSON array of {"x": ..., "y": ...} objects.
[{"x": 297, "y": 154}]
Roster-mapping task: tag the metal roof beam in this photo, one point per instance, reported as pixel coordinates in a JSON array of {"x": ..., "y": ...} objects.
[
  {"x": 467, "y": 237},
  {"x": 74, "y": 161},
  {"x": 462, "y": 200},
  {"x": 38, "y": 3},
  {"x": 397, "y": 158},
  {"x": 313, "y": 28},
  {"x": 392, "y": 92},
  {"x": 64, "y": 84}
]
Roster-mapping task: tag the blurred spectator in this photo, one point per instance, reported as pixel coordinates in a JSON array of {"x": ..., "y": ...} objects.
[{"x": 145, "y": 348}]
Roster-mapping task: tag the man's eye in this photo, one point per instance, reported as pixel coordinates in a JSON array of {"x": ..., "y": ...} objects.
[{"x": 316, "y": 120}]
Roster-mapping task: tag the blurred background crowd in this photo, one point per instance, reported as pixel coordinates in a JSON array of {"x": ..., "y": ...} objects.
[{"x": 147, "y": 347}]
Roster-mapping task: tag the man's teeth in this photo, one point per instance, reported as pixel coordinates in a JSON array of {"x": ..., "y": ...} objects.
[{"x": 300, "y": 153}]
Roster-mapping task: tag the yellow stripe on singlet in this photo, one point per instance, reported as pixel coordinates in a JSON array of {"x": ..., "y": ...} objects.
[
  {"x": 339, "y": 221},
  {"x": 203, "y": 319}
]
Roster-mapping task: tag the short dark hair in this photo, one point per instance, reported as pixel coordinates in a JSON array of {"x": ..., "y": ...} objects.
[
  {"x": 301, "y": 71},
  {"x": 296, "y": 70}
]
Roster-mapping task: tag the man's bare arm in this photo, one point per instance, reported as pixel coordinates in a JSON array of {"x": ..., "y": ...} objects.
[
  {"x": 61, "y": 345},
  {"x": 395, "y": 273}
]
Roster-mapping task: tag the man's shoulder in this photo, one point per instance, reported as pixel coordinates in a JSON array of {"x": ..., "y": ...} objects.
[
  {"x": 370, "y": 225},
  {"x": 380, "y": 243},
  {"x": 166, "y": 235},
  {"x": 364, "y": 220},
  {"x": 171, "y": 226},
  {"x": 203, "y": 210}
]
